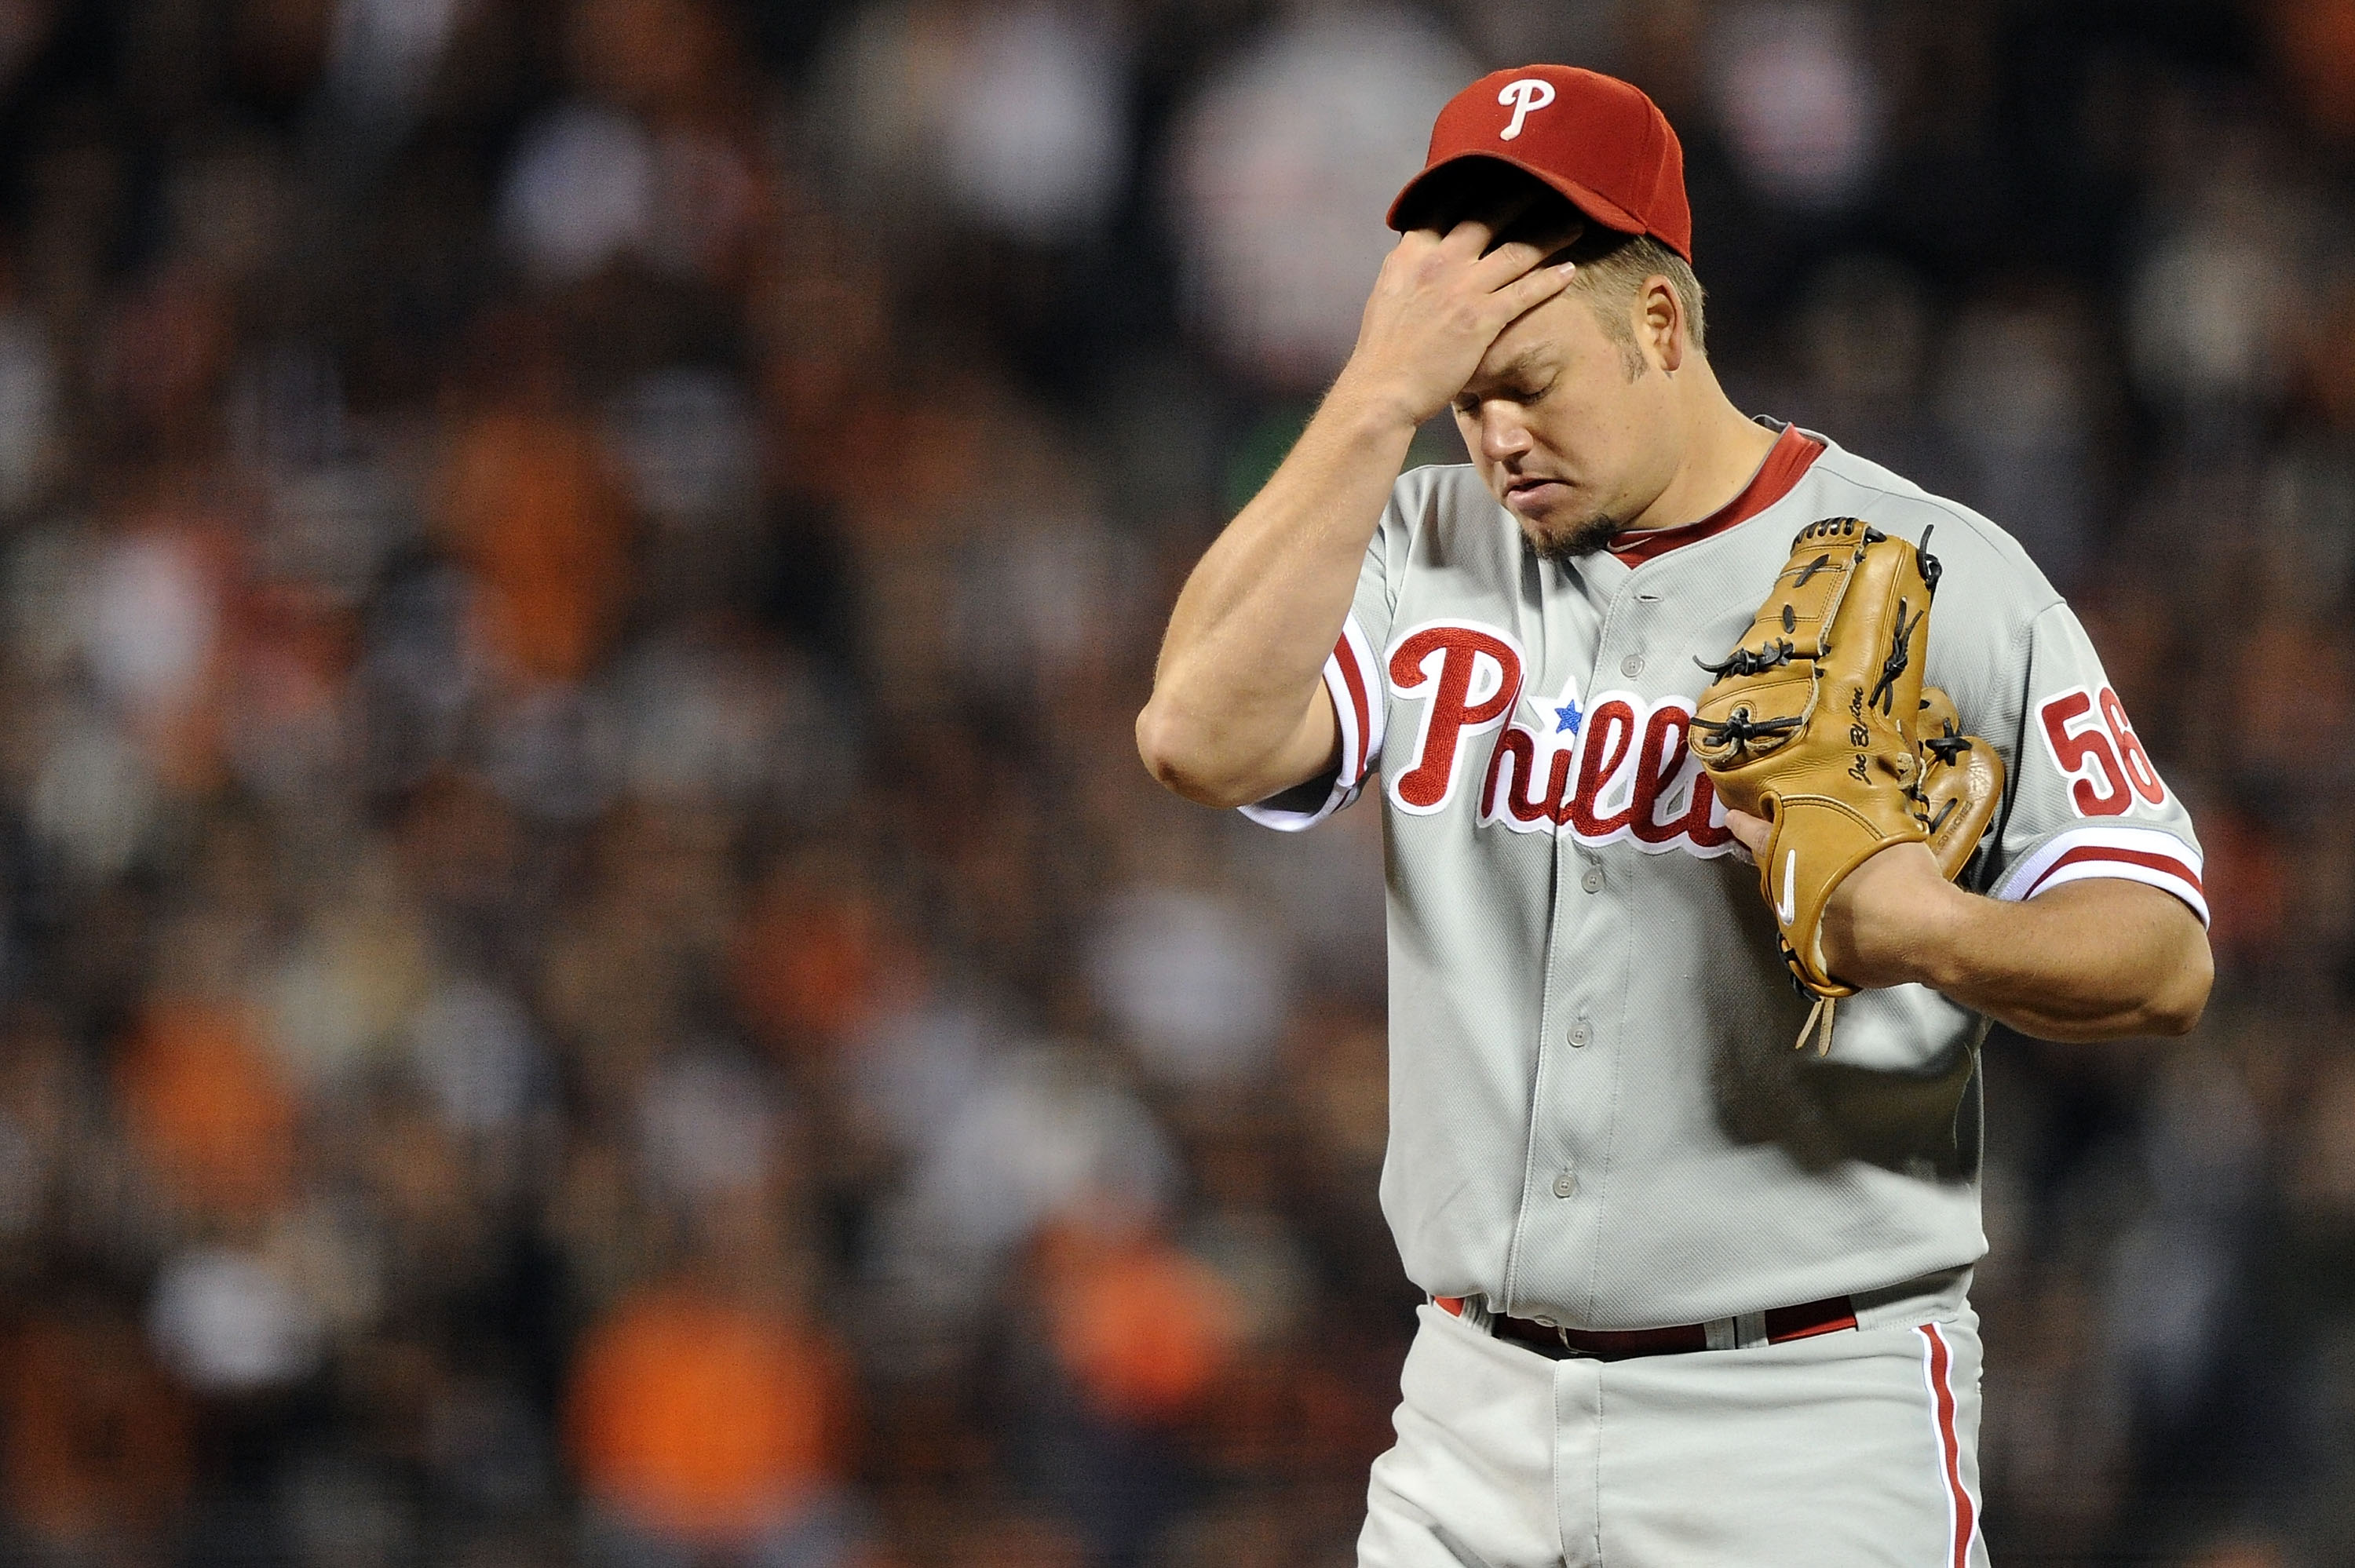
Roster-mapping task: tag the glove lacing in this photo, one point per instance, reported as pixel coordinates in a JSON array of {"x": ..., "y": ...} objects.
[{"x": 1826, "y": 1006}]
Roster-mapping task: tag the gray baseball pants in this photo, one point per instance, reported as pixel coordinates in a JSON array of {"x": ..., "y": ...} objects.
[{"x": 1844, "y": 1450}]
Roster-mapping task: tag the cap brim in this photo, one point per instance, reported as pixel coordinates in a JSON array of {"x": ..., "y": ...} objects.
[{"x": 1602, "y": 209}]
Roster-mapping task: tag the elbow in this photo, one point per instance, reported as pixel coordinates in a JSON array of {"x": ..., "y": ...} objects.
[
  {"x": 1179, "y": 755},
  {"x": 2172, "y": 1007},
  {"x": 2176, "y": 1010},
  {"x": 1159, "y": 747}
]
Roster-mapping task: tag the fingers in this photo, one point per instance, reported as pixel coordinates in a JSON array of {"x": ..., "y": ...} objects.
[
  {"x": 1529, "y": 292},
  {"x": 1472, "y": 238},
  {"x": 1468, "y": 240},
  {"x": 1520, "y": 245},
  {"x": 1503, "y": 264},
  {"x": 1474, "y": 244},
  {"x": 1554, "y": 240},
  {"x": 1507, "y": 282},
  {"x": 1752, "y": 832}
]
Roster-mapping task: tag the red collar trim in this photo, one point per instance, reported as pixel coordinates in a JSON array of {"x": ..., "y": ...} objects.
[{"x": 1790, "y": 457}]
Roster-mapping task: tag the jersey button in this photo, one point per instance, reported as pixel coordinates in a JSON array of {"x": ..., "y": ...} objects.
[
  {"x": 1592, "y": 880},
  {"x": 1564, "y": 1185},
  {"x": 1632, "y": 665},
  {"x": 1579, "y": 1036}
]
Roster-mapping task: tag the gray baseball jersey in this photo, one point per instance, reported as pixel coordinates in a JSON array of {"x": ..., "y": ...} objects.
[{"x": 1596, "y": 1114}]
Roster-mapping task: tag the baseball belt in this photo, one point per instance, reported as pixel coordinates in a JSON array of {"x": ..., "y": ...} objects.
[{"x": 1775, "y": 1326}]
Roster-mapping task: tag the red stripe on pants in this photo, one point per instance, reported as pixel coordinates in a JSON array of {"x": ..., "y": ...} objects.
[{"x": 1950, "y": 1447}]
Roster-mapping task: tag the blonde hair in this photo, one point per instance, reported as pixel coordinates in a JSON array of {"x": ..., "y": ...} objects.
[{"x": 1614, "y": 274}]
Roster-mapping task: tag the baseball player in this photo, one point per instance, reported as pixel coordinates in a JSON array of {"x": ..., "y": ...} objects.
[{"x": 1696, "y": 1298}]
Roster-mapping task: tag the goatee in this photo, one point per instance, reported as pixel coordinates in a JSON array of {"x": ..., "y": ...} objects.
[{"x": 1579, "y": 539}]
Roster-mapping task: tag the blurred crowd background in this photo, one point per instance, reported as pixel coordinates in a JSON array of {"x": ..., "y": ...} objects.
[{"x": 587, "y": 972}]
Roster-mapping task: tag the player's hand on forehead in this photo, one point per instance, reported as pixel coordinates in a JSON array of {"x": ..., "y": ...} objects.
[
  {"x": 1515, "y": 249},
  {"x": 1443, "y": 296}
]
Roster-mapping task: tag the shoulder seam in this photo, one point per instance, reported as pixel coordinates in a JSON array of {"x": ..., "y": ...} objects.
[{"x": 1963, "y": 517}]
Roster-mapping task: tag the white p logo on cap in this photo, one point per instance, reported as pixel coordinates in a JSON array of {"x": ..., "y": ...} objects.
[{"x": 1526, "y": 94}]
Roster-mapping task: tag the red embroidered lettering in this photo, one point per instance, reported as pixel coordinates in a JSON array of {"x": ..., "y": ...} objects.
[
  {"x": 1658, "y": 770},
  {"x": 1700, "y": 821},
  {"x": 1609, "y": 741},
  {"x": 1474, "y": 685},
  {"x": 1514, "y": 767},
  {"x": 1618, "y": 770},
  {"x": 1672, "y": 774}
]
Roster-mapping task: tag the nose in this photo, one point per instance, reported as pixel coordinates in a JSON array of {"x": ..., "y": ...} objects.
[{"x": 1503, "y": 436}]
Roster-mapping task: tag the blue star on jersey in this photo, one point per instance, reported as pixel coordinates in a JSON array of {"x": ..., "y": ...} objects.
[{"x": 1568, "y": 717}]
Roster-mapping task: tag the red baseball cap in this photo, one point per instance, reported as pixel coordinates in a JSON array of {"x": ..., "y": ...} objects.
[{"x": 1596, "y": 139}]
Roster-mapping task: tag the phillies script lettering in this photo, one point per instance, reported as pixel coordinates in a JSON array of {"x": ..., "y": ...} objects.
[{"x": 1616, "y": 769}]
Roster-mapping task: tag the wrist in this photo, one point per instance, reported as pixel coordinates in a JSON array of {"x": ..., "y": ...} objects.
[
  {"x": 1937, "y": 955},
  {"x": 1368, "y": 405},
  {"x": 1897, "y": 922}
]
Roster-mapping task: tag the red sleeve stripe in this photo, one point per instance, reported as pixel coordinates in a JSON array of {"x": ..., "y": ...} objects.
[
  {"x": 1357, "y": 698},
  {"x": 1353, "y": 755},
  {"x": 2148, "y": 855},
  {"x": 2166, "y": 865},
  {"x": 2126, "y": 871}
]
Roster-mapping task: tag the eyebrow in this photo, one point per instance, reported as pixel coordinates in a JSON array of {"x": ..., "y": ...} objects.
[{"x": 1511, "y": 369}]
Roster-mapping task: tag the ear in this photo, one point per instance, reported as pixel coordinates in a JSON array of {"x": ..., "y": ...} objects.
[{"x": 1660, "y": 322}]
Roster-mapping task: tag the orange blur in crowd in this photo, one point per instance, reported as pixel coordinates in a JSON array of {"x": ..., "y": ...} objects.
[
  {"x": 534, "y": 507},
  {"x": 208, "y": 1112},
  {"x": 1145, "y": 1329},
  {"x": 703, "y": 1418}
]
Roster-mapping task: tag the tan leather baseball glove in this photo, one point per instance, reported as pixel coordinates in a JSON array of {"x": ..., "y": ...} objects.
[{"x": 1818, "y": 722}]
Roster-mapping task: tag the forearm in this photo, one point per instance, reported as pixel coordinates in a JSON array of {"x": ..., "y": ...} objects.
[
  {"x": 1236, "y": 713},
  {"x": 2099, "y": 959}
]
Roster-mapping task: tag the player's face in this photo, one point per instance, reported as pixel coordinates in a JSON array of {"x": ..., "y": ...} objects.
[{"x": 1575, "y": 446}]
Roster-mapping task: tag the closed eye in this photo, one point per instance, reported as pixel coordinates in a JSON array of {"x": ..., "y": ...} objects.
[{"x": 1522, "y": 395}]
